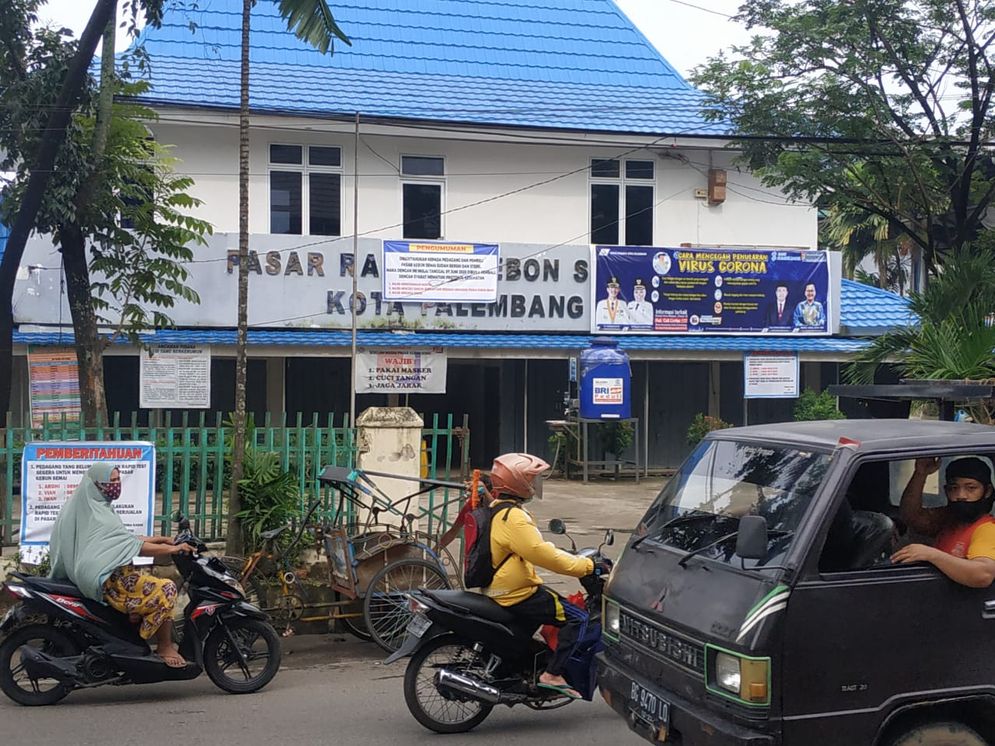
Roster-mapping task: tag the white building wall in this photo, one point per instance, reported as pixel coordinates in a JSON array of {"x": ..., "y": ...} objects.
[{"x": 554, "y": 212}]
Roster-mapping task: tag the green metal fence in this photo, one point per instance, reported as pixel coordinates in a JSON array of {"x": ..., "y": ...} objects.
[{"x": 192, "y": 463}]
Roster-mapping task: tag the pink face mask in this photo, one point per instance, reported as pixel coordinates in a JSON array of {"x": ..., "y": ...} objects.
[{"x": 110, "y": 490}]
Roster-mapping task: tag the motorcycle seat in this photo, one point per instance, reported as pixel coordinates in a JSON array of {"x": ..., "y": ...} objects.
[
  {"x": 48, "y": 585},
  {"x": 472, "y": 603}
]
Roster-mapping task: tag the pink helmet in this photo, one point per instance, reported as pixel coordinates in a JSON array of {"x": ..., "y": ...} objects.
[{"x": 518, "y": 475}]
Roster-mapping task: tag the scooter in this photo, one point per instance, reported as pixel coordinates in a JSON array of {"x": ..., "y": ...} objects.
[
  {"x": 468, "y": 654},
  {"x": 56, "y": 640}
]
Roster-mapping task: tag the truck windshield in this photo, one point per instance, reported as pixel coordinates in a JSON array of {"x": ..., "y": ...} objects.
[{"x": 724, "y": 480}]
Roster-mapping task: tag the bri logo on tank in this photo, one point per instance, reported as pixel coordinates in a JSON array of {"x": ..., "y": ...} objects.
[{"x": 607, "y": 391}]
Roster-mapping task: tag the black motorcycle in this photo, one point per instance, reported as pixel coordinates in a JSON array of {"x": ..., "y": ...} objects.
[
  {"x": 469, "y": 654},
  {"x": 56, "y": 640}
]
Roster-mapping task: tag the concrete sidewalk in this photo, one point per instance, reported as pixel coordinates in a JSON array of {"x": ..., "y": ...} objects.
[{"x": 588, "y": 510}]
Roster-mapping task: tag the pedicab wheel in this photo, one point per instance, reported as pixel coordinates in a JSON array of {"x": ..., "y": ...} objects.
[
  {"x": 14, "y": 680},
  {"x": 356, "y": 624},
  {"x": 385, "y": 607},
  {"x": 939, "y": 733},
  {"x": 438, "y": 712},
  {"x": 242, "y": 655}
]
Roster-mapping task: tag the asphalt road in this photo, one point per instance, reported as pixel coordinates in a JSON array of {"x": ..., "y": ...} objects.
[{"x": 329, "y": 691}]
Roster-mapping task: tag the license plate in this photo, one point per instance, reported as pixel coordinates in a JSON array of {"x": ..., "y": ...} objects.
[
  {"x": 418, "y": 625},
  {"x": 650, "y": 709}
]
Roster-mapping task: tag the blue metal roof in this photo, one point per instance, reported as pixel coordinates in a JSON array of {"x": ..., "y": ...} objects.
[
  {"x": 560, "y": 64},
  {"x": 869, "y": 310}
]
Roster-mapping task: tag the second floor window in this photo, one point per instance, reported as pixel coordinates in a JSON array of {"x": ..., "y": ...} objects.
[
  {"x": 305, "y": 188},
  {"x": 622, "y": 202},
  {"x": 422, "y": 191}
]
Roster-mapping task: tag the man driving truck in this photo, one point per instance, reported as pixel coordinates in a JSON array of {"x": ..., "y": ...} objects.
[{"x": 963, "y": 531}]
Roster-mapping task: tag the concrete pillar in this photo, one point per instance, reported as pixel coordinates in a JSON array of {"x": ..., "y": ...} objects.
[
  {"x": 276, "y": 385},
  {"x": 813, "y": 376},
  {"x": 714, "y": 389},
  {"x": 389, "y": 440}
]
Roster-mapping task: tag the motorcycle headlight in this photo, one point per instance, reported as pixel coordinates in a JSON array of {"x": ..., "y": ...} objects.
[{"x": 610, "y": 615}]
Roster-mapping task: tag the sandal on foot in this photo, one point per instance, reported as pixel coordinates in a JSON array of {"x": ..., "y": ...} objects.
[{"x": 564, "y": 689}]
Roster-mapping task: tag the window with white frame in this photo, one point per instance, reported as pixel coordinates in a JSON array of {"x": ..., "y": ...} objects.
[
  {"x": 305, "y": 189},
  {"x": 422, "y": 191},
  {"x": 622, "y": 201}
]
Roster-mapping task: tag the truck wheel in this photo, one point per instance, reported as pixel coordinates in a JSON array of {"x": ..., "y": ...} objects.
[{"x": 940, "y": 733}]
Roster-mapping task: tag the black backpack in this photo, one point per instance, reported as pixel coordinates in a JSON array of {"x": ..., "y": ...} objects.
[{"x": 478, "y": 570}]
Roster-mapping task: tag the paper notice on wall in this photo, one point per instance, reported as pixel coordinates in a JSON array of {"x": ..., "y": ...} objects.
[
  {"x": 175, "y": 377},
  {"x": 401, "y": 371},
  {"x": 54, "y": 381},
  {"x": 770, "y": 375},
  {"x": 440, "y": 272},
  {"x": 50, "y": 472}
]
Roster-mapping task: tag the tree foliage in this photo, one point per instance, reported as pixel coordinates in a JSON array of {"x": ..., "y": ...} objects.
[
  {"x": 884, "y": 106},
  {"x": 952, "y": 335},
  {"x": 132, "y": 210}
]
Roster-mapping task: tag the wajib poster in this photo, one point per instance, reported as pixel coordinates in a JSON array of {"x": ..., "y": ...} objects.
[
  {"x": 51, "y": 471},
  {"x": 648, "y": 290},
  {"x": 390, "y": 371}
]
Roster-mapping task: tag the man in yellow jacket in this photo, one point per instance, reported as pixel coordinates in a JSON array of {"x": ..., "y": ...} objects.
[{"x": 516, "y": 548}]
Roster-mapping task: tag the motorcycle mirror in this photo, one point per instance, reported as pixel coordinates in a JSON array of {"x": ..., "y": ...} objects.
[
  {"x": 609, "y": 538},
  {"x": 557, "y": 526}
]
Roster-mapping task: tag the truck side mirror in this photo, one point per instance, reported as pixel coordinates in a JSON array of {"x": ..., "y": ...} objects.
[
  {"x": 751, "y": 538},
  {"x": 557, "y": 526}
]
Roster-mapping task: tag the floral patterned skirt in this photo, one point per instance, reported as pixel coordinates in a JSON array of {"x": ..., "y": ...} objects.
[{"x": 132, "y": 592}]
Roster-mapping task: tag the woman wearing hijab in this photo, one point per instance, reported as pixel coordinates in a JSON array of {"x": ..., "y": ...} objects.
[{"x": 91, "y": 547}]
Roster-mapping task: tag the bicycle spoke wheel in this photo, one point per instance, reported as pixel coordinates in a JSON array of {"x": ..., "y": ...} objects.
[{"x": 385, "y": 607}]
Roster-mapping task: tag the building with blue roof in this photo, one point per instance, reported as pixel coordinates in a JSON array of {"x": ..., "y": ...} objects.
[{"x": 541, "y": 126}]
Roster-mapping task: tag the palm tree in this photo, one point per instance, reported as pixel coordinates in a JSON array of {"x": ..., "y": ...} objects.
[
  {"x": 858, "y": 235},
  {"x": 312, "y": 22},
  {"x": 953, "y": 337}
]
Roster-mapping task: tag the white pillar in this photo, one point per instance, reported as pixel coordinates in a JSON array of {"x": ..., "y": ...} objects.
[{"x": 389, "y": 441}]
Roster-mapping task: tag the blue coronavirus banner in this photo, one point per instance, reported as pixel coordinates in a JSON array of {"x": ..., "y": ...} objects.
[{"x": 648, "y": 290}]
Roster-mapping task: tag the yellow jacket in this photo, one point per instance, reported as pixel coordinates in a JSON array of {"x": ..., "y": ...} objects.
[{"x": 513, "y": 532}]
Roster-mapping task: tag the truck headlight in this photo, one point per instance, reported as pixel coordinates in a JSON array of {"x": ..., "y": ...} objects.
[
  {"x": 610, "y": 625},
  {"x": 727, "y": 673},
  {"x": 740, "y": 677}
]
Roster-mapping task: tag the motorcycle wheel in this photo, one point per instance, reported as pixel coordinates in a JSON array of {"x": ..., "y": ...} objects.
[
  {"x": 248, "y": 647},
  {"x": 424, "y": 700},
  {"x": 15, "y": 682}
]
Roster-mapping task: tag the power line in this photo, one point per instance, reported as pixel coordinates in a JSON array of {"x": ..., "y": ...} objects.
[{"x": 699, "y": 7}]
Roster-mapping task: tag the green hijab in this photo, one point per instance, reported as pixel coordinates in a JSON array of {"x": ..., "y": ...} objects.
[{"x": 89, "y": 540}]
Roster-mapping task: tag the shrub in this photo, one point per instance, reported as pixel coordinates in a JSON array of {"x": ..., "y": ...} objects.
[
  {"x": 269, "y": 496},
  {"x": 817, "y": 406},
  {"x": 702, "y": 425}
]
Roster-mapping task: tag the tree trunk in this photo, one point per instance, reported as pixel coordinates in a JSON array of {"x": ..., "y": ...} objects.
[
  {"x": 41, "y": 171},
  {"x": 89, "y": 345},
  {"x": 233, "y": 545}
]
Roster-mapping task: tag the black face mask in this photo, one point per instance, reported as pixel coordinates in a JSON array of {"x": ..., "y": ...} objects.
[{"x": 969, "y": 512}]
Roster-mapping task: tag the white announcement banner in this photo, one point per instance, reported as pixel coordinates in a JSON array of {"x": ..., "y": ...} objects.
[
  {"x": 401, "y": 371},
  {"x": 440, "y": 272},
  {"x": 50, "y": 472},
  {"x": 770, "y": 375},
  {"x": 175, "y": 377}
]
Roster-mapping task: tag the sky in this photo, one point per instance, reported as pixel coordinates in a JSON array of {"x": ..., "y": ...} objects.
[{"x": 686, "y": 32}]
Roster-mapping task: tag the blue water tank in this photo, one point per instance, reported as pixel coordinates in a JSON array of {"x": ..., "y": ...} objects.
[{"x": 605, "y": 381}]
